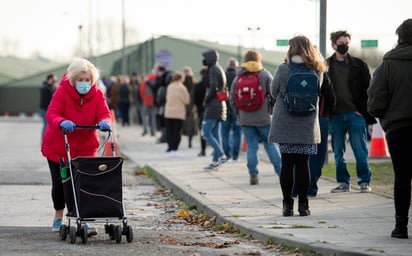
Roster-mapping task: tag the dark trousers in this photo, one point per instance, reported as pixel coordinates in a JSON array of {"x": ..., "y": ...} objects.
[
  {"x": 57, "y": 186},
  {"x": 398, "y": 142},
  {"x": 161, "y": 126},
  {"x": 295, "y": 170},
  {"x": 317, "y": 161},
  {"x": 124, "y": 110},
  {"x": 173, "y": 132}
]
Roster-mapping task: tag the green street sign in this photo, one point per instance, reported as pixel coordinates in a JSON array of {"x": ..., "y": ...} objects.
[
  {"x": 369, "y": 43},
  {"x": 282, "y": 42}
]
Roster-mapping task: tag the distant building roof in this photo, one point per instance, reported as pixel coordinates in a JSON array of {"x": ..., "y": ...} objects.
[
  {"x": 13, "y": 68},
  {"x": 16, "y": 72}
]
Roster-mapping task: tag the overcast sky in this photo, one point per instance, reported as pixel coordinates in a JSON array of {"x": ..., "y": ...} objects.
[{"x": 51, "y": 27}]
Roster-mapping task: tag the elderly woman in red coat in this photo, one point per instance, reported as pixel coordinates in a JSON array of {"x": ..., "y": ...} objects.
[{"x": 77, "y": 101}]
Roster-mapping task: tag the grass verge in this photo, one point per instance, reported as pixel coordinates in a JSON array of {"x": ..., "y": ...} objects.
[{"x": 381, "y": 180}]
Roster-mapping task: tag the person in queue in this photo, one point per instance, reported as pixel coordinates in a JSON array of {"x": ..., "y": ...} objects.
[{"x": 77, "y": 101}]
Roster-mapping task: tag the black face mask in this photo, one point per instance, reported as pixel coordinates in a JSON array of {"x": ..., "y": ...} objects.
[
  {"x": 342, "y": 48},
  {"x": 204, "y": 62}
]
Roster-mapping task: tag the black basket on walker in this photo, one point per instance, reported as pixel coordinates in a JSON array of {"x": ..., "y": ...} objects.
[{"x": 97, "y": 186}]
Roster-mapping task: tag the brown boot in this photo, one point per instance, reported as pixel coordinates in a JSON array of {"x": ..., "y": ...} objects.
[{"x": 254, "y": 179}]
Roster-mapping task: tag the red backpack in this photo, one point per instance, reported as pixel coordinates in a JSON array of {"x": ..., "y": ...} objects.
[{"x": 249, "y": 94}]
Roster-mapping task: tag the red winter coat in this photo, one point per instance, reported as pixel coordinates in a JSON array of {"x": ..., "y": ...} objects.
[
  {"x": 147, "y": 96},
  {"x": 67, "y": 104}
]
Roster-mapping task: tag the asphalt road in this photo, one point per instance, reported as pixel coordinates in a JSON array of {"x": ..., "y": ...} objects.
[{"x": 26, "y": 211}]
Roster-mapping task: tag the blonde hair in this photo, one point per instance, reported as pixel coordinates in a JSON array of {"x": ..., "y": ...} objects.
[
  {"x": 187, "y": 71},
  {"x": 80, "y": 65},
  {"x": 301, "y": 45},
  {"x": 124, "y": 79},
  {"x": 178, "y": 76}
]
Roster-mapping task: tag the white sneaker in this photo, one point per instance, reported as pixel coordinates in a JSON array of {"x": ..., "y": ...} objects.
[
  {"x": 212, "y": 167},
  {"x": 179, "y": 154},
  {"x": 365, "y": 188},
  {"x": 343, "y": 187},
  {"x": 222, "y": 160},
  {"x": 171, "y": 153}
]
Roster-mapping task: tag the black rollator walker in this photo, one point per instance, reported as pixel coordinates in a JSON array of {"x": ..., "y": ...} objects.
[{"x": 93, "y": 193}]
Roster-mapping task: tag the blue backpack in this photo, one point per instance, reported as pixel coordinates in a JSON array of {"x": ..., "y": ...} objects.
[{"x": 302, "y": 91}]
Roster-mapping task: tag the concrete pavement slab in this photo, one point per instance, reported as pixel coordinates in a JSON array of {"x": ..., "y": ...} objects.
[{"x": 341, "y": 224}]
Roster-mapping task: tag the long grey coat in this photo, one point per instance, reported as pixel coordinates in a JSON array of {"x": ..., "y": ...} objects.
[{"x": 286, "y": 128}]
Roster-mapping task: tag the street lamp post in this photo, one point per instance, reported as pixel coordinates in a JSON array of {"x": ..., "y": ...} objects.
[
  {"x": 80, "y": 41},
  {"x": 322, "y": 27},
  {"x": 124, "y": 62},
  {"x": 253, "y": 30}
]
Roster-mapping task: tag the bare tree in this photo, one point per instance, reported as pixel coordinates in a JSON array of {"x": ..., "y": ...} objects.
[
  {"x": 372, "y": 56},
  {"x": 9, "y": 46},
  {"x": 107, "y": 36}
]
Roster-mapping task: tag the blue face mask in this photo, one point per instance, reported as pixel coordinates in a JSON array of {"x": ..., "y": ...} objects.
[{"x": 83, "y": 87}]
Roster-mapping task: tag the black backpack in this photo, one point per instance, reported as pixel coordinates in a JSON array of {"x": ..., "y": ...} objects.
[
  {"x": 162, "y": 90},
  {"x": 302, "y": 91}
]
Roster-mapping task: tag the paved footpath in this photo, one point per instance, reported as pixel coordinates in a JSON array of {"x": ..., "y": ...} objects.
[{"x": 340, "y": 224}]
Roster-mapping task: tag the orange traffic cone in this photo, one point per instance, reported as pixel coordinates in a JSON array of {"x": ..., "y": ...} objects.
[
  {"x": 378, "y": 148},
  {"x": 243, "y": 147},
  {"x": 110, "y": 150}
]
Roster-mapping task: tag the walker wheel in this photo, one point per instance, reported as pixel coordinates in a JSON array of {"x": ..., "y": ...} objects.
[
  {"x": 63, "y": 232},
  {"x": 118, "y": 234},
  {"x": 72, "y": 234},
  {"x": 84, "y": 234},
  {"x": 111, "y": 229},
  {"x": 129, "y": 234}
]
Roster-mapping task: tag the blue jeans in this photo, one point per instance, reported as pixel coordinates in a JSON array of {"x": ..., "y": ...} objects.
[
  {"x": 210, "y": 132},
  {"x": 42, "y": 113},
  {"x": 354, "y": 125},
  {"x": 231, "y": 141},
  {"x": 149, "y": 119},
  {"x": 254, "y": 134}
]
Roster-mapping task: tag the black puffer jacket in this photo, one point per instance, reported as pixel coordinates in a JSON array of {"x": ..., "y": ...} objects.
[
  {"x": 230, "y": 76},
  {"x": 214, "y": 109}
]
